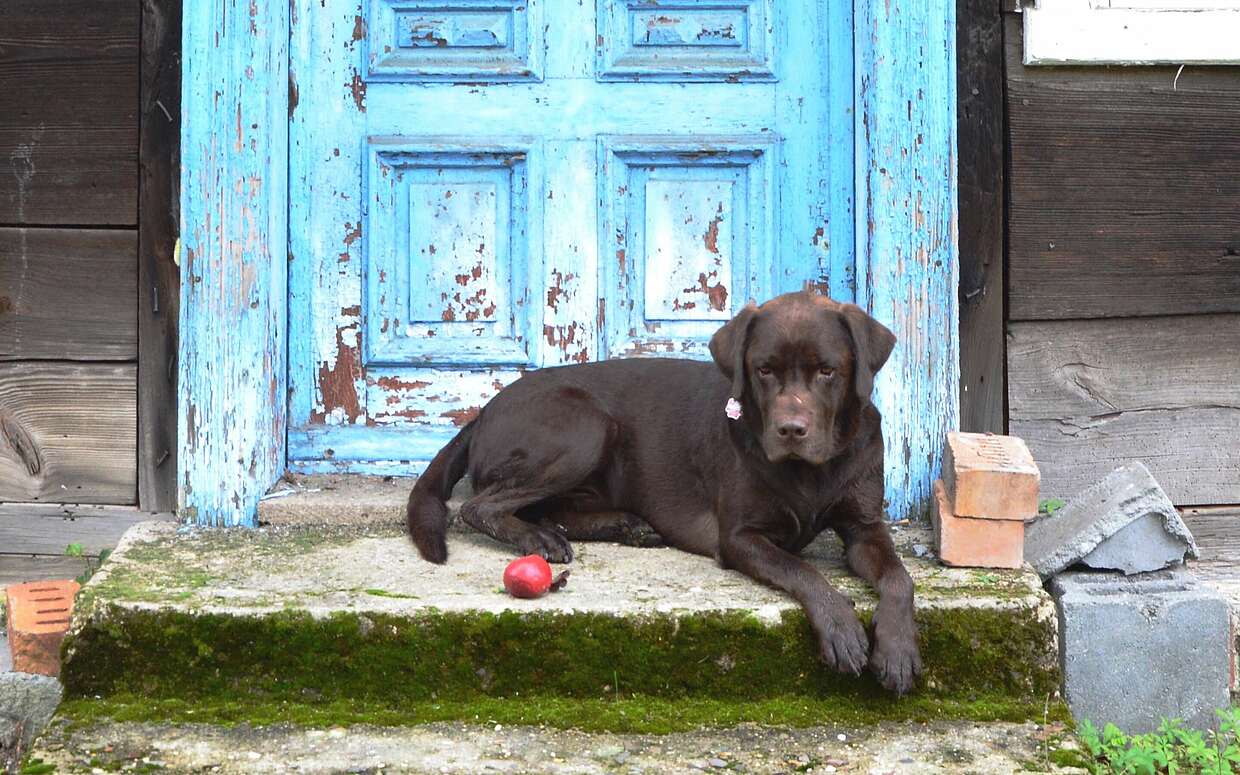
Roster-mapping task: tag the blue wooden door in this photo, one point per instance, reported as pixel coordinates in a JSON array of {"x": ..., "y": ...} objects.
[{"x": 480, "y": 187}]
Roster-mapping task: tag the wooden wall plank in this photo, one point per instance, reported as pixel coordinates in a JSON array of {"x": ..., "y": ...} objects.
[
  {"x": 1088, "y": 395},
  {"x": 979, "y": 124},
  {"x": 908, "y": 272},
  {"x": 45, "y": 528},
  {"x": 68, "y": 294},
  {"x": 1125, "y": 185},
  {"x": 18, "y": 569},
  {"x": 159, "y": 277},
  {"x": 68, "y": 112},
  {"x": 68, "y": 432},
  {"x": 233, "y": 354}
]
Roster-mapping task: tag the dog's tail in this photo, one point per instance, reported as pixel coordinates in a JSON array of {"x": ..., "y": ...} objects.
[{"x": 427, "y": 514}]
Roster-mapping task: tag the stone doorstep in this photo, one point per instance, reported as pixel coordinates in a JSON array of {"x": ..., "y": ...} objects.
[{"x": 168, "y": 597}]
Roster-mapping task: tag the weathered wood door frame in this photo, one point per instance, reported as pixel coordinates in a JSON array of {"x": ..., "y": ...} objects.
[{"x": 234, "y": 230}]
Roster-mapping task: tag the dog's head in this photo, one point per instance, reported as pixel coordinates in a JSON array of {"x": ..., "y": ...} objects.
[{"x": 801, "y": 366}]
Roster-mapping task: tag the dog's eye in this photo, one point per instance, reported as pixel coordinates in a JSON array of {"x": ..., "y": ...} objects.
[
  {"x": 764, "y": 371},
  {"x": 827, "y": 372}
]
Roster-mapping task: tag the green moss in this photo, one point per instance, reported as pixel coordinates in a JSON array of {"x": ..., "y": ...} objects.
[
  {"x": 634, "y": 715},
  {"x": 463, "y": 656},
  {"x": 385, "y": 593},
  {"x": 1063, "y": 757}
]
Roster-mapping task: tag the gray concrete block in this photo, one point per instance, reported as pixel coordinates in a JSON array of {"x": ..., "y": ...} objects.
[
  {"x": 1127, "y": 495},
  {"x": 27, "y": 703},
  {"x": 1136, "y": 649}
]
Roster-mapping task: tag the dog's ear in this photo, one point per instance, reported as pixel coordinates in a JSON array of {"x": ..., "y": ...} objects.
[
  {"x": 728, "y": 344},
  {"x": 872, "y": 345}
]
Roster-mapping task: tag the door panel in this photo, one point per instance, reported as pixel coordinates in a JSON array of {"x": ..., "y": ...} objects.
[
  {"x": 480, "y": 187},
  {"x": 689, "y": 223}
]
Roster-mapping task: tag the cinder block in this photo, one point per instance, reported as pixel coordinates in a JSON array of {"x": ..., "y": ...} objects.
[
  {"x": 990, "y": 477},
  {"x": 1136, "y": 649},
  {"x": 1127, "y": 499},
  {"x": 972, "y": 542},
  {"x": 38, "y": 618}
]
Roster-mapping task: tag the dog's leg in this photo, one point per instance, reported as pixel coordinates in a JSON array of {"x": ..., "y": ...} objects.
[
  {"x": 895, "y": 659},
  {"x": 619, "y": 527},
  {"x": 841, "y": 637},
  {"x": 493, "y": 512}
]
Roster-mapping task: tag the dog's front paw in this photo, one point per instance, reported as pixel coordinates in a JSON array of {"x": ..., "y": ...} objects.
[
  {"x": 843, "y": 641},
  {"x": 551, "y": 545},
  {"x": 896, "y": 661}
]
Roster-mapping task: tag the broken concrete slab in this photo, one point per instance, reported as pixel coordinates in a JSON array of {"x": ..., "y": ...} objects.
[
  {"x": 1144, "y": 545},
  {"x": 351, "y": 613},
  {"x": 1137, "y": 649},
  {"x": 27, "y": 703},
  {"x": 1128, "y": 494}
]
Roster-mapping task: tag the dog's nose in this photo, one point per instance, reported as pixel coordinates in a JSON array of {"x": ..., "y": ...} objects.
[{"x": 793, "y": 427}]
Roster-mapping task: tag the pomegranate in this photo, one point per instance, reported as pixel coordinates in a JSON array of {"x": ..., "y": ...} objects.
[{"x": 530, "y": 577}]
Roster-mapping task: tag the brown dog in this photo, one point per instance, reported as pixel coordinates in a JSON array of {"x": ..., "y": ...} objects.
[{"x": 747, "y": 467}]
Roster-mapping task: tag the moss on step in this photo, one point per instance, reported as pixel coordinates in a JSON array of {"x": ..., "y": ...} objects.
[
  {"x": 629, "y": 714},
  {"x": 292, "y": 656}
]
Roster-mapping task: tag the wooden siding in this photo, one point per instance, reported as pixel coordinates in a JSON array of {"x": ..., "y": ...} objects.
[
  {"x": 68, "y": 112},
  {"x": 67, "y": 432},
  {"x": 49, "y": 529},
  {"x": 68, "y": 294},
  {"x": 1124, "y": 273},
  {"x": 1090, "y": 395},
  {"x": 1125, "y": 190}
]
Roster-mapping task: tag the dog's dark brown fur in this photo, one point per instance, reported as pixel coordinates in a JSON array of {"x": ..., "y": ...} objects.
[{"x": 640, "y": 451}]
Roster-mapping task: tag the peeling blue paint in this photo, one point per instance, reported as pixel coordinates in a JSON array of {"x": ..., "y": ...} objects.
[
  {"x": 907, "y": 265},
  {"x": 231, "y": 360}
]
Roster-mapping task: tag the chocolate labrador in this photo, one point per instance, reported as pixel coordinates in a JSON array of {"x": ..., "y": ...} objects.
[{"x": 746, "y": 461}]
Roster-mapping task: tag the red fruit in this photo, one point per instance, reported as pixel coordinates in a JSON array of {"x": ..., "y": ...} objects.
[{"x": 527, "y": 577}]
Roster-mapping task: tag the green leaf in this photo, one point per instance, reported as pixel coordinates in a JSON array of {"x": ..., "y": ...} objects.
[
  {"x": 1051, "y": 505},
  {"x": 73, "y": 550}
]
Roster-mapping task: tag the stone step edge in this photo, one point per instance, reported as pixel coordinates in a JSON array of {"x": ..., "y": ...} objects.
[{"x": 166, "y": 652}]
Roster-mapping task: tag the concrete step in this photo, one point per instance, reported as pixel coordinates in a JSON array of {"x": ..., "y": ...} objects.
[
  {"x": 907, "y": 748},
  {"x": 346, "y": 624}
]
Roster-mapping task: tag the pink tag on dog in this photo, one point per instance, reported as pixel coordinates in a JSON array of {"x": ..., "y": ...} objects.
[{"x": 732, "y": 409}]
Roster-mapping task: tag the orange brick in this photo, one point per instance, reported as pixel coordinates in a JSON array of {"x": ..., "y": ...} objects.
[
  {"x": 976, "y": 543},
  {"x": 991, "y": 477},
  {"x": 38, "y": 618}
]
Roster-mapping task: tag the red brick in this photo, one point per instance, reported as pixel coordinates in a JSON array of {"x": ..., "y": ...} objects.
[
  {"x": 990, "y": 477},
  {"x": 976, "y": 543},
  {"x": 38, "y": 618}
]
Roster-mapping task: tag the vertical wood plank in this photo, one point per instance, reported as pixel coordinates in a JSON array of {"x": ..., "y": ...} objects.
[
  {"x": 906, "y": 230},
  {"x": 326, "y": 88},
  {"x": 814, "y": 104},
  {"x": 980, "y": 125},
  {"x": 234, "y": 232},
  {"x": 158, "y": 275}
]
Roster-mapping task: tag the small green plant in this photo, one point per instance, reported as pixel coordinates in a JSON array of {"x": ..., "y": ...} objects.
[
  {"x": 1171, "y": 749},
  {"x": 1051, "y": 505},
  {"x": 92, "y": 563}
]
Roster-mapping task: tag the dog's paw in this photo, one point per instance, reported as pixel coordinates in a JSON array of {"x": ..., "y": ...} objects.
[
  {"x": 843, "y": 641},
  {"x": 896, "y": 662},
  {"x": 551, "y": 545},
  {"x": 642, "y": 535}
]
